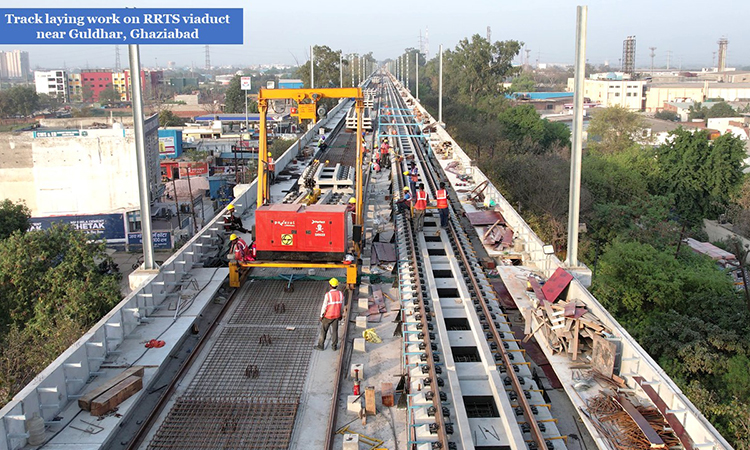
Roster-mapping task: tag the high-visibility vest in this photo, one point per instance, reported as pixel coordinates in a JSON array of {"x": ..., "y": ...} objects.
[
  {"x": 421, "y": 200},
  {"x": 240, "y": 249},
  {"x": 332, "y": 304},
  {"x": 442, "y": 198},
  {"x": 271, "y": 164}
]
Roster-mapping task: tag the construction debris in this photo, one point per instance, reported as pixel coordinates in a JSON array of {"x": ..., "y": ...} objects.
[
  {"x": 629, "y": 427},
  {"x": 86, "y": 400},
  {"x": 571, "y": 328}
]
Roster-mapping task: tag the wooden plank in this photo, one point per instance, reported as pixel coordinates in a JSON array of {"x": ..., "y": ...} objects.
[
  {"x": 370, "y": 401},
  {"x": 570, "y": 309},
  {"x": 653, "y": 437},
  {"x": 85, "y": 401},
  {"x": 386, "y": 394},
  {"x": 603, "y": 356},
  {"x": 575, "y": 340},
  {"x": 537, "y": 288},
  {"x": 118, "y": 394}
]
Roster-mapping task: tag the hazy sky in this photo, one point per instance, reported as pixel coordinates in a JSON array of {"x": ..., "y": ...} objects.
[{"x": 280, "y": 31}]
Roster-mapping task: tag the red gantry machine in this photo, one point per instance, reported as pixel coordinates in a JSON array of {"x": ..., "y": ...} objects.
[{"x": 303, "y": 234}]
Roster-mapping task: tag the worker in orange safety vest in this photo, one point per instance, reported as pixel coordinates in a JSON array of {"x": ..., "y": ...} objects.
[
  {"x": 442, "y": 204},
  {"x": 330, "y": 315},
  {"x": 420, "y": 205},
  {"x": 271, "y": 169},
  {"x": 240, "y": 249}
]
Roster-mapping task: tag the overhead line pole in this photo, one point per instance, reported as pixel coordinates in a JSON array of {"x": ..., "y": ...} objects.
[
  {"x": 140, "y": 151},
  {"x": 577, "y": 145},
  {"x": 312, "y": 68},
  {"x": 416, "y": 71},
  {"x": 440, "y": 88}
]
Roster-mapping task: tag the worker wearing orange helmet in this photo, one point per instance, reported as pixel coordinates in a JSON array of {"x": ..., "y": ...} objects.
[{"x": 330, "y": 315}]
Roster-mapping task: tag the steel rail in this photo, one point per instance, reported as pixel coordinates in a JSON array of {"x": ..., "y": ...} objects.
[{"x": 527, "y": 412}]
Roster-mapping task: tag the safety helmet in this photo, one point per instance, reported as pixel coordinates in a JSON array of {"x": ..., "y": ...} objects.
[
  {"x": 230, "y": 207},
  {"x": 233, "y": 237},
  {"x": 406, "y": 188},
  {"x": 333, "y": 282},
  {"x": 352, "y": 200},
  {"x": 269, "y": 153}
]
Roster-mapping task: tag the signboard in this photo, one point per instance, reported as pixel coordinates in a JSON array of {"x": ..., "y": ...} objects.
[
  {"x": 246, "y": 83},
  {"x": 270, "y": 84},
  {"x": 163, "y": 26},
  {"x": 99, "y": 226},
  {"x": 195, "y": 169},
  {"x": 162, "y": 239},
  {"x": 306, "y": 111},
  {"x": 60, "y": 133},
  {"x": 166, "y": 146}
]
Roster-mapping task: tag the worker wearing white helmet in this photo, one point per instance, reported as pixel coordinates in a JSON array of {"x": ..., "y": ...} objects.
[{"x": 330, "y": 315}]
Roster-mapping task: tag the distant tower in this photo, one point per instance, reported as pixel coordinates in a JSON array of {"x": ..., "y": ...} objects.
[
  {"x": 427, "y": 43},
  {"x": 208, "y": 59},
  {"x": 421, "y": 42},
  {"x": 723, "y": 42},
  {"x": 628, "y": 55},
  {"x": 489, "y": 34},
  {"x": 117, "y": 58},
  {"x": 653, "y": 53},
  {"x": 528, "y": 52}
]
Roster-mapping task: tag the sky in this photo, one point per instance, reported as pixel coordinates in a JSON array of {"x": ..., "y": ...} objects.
[{"x": 282, "y": 31}]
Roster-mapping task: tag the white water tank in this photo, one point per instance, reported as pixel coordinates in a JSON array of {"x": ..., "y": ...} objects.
[{"x": 35, "y": 426}]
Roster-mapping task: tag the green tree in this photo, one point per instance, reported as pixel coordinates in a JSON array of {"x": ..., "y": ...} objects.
[
  {"x": 721, "y": 109},
  {"x": 13, "y": 217},
  {"x": 523, "y": 83},
  {"x": 169, "y": 119},
  {"x": 701, "y": 174},
  {"x": 326, "y": 68},
  {"x": 667, "y": 115},
  {"x": 109, "y": 96},
  {"x": 477, "y": 68},
  {"x": 18, "y": 100},
  {"x": 697, "y": 112},
  {"x": 522, "y": 125},
  {"x": 614, "y": 130},
  {"x": 234, "y": 101},
  {"x": 49, "y": 275}
]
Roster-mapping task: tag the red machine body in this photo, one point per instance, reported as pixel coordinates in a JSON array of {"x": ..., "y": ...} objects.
[{"x": 297, "y": 232}]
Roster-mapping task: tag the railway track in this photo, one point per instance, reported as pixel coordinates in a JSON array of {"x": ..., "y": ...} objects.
[{"x": 470, "y": 383}]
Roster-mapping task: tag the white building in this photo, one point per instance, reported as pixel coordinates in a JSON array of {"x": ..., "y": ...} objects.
[
  {"x": 14, "y": 64},
  {"x": 77, "y": 171},
  {"x": 630, "y": 94},
  {"x": 53, "y": 83}
]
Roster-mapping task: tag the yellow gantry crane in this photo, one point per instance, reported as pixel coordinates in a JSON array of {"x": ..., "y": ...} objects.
[{"x": 310, "y": 97}]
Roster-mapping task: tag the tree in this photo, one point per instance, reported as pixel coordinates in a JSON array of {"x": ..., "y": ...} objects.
[
  {"x": 13, "y": 217},
  {"x": 702, "y": 175},
  {"x": 234, "y": 101},
  {"x": 614, "y": 129},
  {"x": 169, "y": 119},
  {"x": 721, "y": 109},
  {"x": 697, "y": 112},
  {"x": 109, "y": 96},
  {"x": 667, "y": 115},
  {"x": 523, "y": 83},
  {"x": 327, "y": 69},
  {"x": 19, "y": 100},
  {"x": 522, "y": 125},
  {"x": 477, "y": 68}
]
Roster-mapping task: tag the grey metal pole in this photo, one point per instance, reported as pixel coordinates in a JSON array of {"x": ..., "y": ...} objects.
[
  {"x": 440, "y": 87},
  {"x": 406, "y": 57},
  {"x": 312, "y": 68},
  {"x": 247, "y": 122},
  {"x": 140, "y": 151},
  {"x": 351, "y": 66},
  {"x": 416, "y": 71},
  {"x": 575, "y": 154},
  {"x": 341, "y": 70}
]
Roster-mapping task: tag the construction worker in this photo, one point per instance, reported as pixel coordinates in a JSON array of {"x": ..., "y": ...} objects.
[
  {"x": 413, "y": 177},
  {"x": 405, "y": 203},
  {"x": 232, "y": 222},
  {"x": 330, "y": 314},
  {"x": 271, "y": 169},
  {"x": 442, "y": 205},
  {"x": 351, "y": 207},
  {"x": 419, "y": 208},
  {"x": 239, "y": 247}
]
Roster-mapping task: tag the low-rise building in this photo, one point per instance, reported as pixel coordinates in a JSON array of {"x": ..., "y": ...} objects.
[
  {"x": 629, "y": 94},
  {"x": 660, "y": 93}
]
